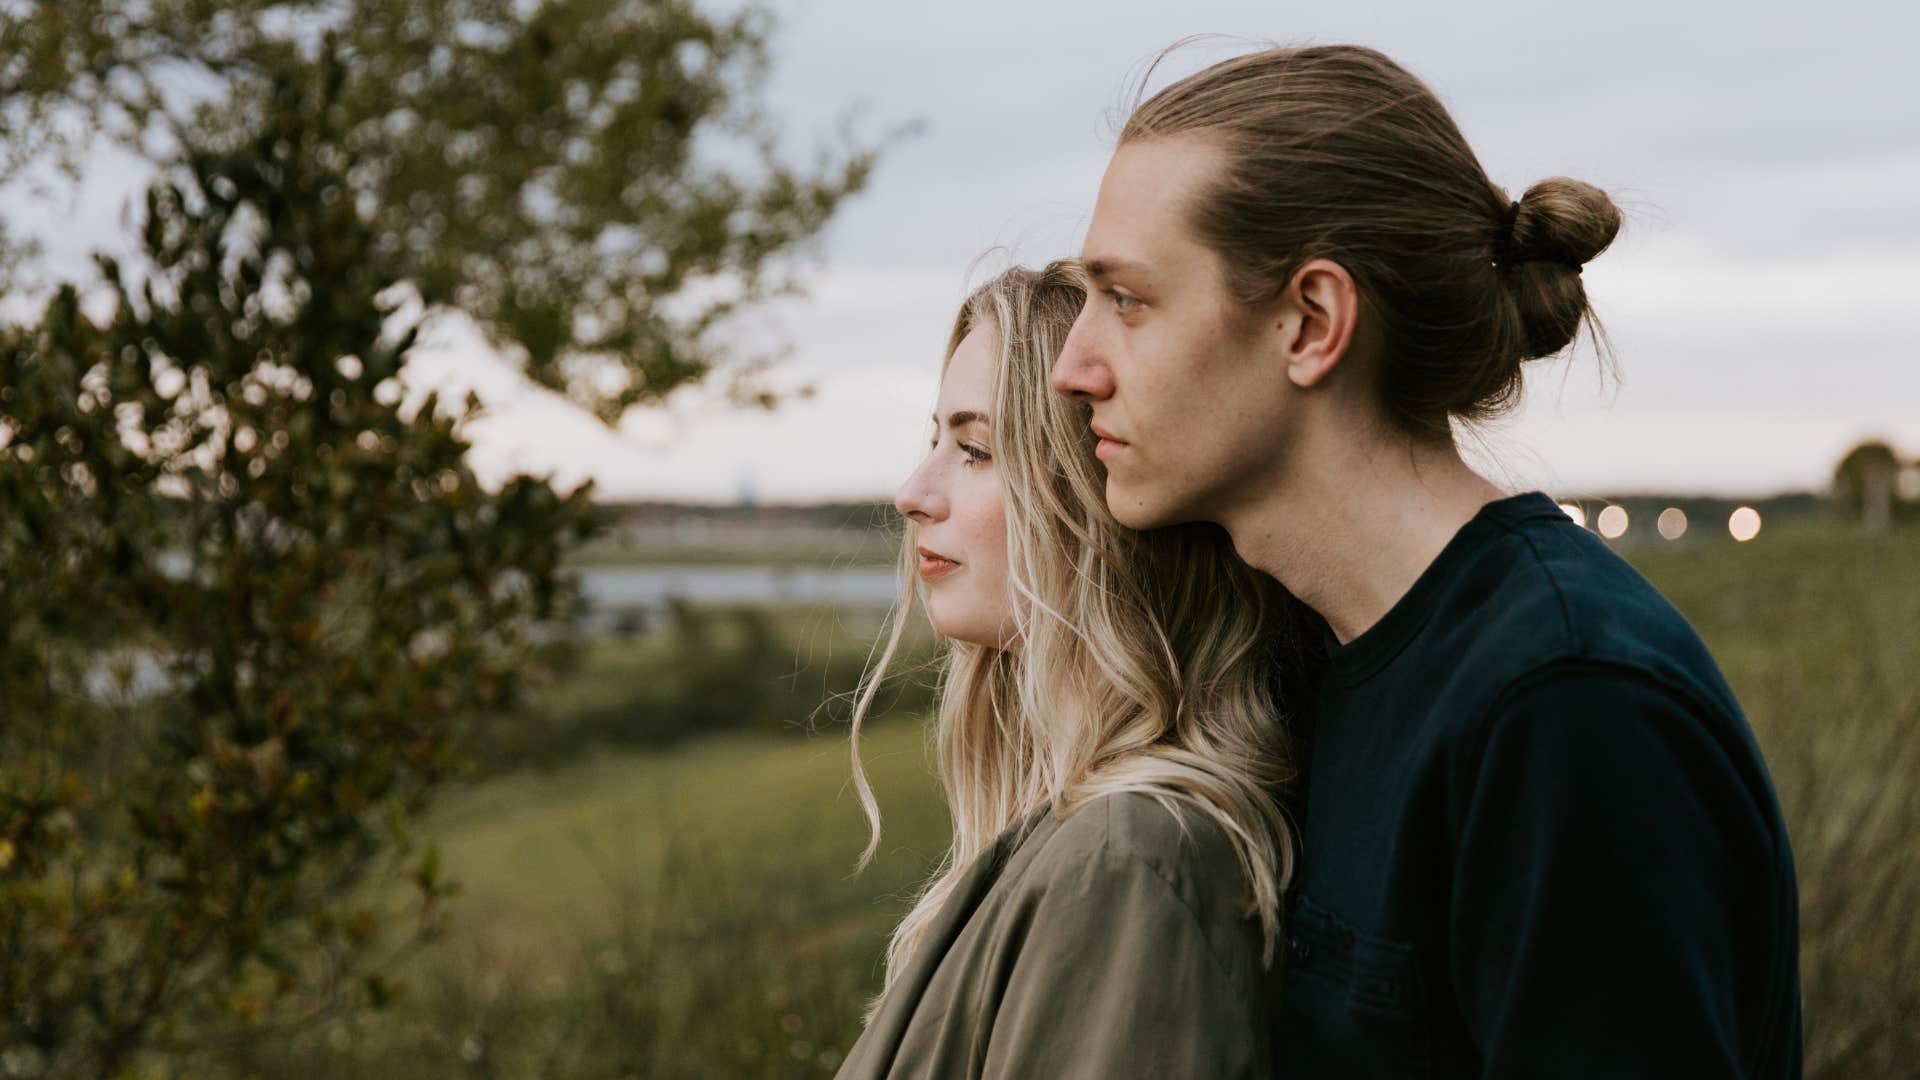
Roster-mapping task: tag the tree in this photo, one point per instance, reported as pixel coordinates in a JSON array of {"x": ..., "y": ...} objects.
[
  {"x": 590, "y": 180},
  {"x": 218, "y": 485},
  {"x": 1864, "y": 483},
  {"x": 251, "y": 598}
]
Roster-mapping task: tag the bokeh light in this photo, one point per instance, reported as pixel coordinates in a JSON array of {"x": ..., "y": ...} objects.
[
  {"x": 1613, "y": 522},
  {"x": 1672, "y": 523},
  {"x": 1578, "y": 515},
  {"x": 1744, "y": 524}
]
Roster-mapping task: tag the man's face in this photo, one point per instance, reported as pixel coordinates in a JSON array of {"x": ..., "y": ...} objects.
[{"x": 1188, "y": 394}]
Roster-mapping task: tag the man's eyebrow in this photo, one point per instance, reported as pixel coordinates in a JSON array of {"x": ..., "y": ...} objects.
[
  {"x": 962, "y": 418},
  {"x": 1105, "y": 266}
]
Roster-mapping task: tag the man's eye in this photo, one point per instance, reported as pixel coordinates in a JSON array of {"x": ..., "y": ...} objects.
[{"x": 1123, "y": 302}]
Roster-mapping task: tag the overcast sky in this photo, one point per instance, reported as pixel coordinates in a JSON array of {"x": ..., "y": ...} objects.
[{"x": 1764, "y": 300}]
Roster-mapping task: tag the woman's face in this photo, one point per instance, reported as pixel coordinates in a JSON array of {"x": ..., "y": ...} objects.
[{"x": 954, "y": 499}]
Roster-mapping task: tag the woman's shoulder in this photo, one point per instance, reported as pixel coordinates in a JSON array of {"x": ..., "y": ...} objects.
[
  {"x": 1120, "y": 952},
  {"x": 1118, "y": 836}
]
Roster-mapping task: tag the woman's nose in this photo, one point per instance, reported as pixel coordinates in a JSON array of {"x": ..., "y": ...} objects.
[{"x": 919, "y": 499}]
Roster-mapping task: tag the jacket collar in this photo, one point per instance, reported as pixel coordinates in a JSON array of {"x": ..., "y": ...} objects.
[{"x": 889, "y": 1025}]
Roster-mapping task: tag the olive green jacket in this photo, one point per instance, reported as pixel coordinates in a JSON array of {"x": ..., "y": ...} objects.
[{"x": 1103, "y": 945}]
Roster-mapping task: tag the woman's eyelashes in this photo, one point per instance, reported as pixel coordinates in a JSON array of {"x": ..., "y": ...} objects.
[{"x": 975, "y": 455}]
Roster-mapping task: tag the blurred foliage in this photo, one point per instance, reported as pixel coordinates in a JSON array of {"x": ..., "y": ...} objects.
[
  {"x": 1866, "y": 485},
  {"x": 592, "y": 181},
  {"x": 253, "y": 605},
  {"x": 703, "y": 672},
  {"x": 248, "y": 598}
]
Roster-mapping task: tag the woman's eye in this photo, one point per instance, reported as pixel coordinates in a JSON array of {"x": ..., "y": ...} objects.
[{"x": 974, "y": 454}]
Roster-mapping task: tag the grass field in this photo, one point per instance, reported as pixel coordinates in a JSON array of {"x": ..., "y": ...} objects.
[
  {"x": 688, "y": 913},
  {"x": 549, "y": 858},
  {"x": 691, "y": 912}
]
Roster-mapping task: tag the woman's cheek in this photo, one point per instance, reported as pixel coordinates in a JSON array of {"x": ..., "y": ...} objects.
[
  {"x": 993, "y": 538},
  {"x": 1000, "y": 614}
]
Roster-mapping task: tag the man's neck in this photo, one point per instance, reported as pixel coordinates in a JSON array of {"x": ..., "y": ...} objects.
[{"x": 1352, "y": 528}]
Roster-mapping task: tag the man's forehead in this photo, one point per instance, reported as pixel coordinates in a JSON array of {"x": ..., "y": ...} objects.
[
  {"x": 1160, "y": 171},
  {"x": 1139, "y": 219},
  {"x": 1140, "y": 248}
]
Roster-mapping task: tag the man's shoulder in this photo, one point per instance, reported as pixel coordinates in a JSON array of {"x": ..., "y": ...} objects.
[{"x": 1565, "y": 601}]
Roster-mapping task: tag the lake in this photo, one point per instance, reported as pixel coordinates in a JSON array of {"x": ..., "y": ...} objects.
[{"x": 615, "y": 588}]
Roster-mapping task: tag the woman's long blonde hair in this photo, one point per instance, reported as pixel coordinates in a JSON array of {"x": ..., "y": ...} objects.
[{"x": 1149, "y": 662}]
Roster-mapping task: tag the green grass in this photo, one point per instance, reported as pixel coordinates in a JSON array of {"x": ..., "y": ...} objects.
[
  {"x": 692, "y": 912},
  {"x": 684, "y": 913},
  {"x": 549, "y": 852}
]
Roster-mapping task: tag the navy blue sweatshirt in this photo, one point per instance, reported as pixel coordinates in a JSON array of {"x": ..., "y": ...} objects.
[{"x": 1539, "y": 837}]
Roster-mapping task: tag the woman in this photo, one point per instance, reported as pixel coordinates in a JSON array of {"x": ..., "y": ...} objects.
[{"x": 1109, "y": 740}]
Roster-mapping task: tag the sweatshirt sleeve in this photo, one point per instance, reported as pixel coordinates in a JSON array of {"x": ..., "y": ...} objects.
[
  {"x": 1116, "y": 976},
  {"x": 1612, "y": 865}
]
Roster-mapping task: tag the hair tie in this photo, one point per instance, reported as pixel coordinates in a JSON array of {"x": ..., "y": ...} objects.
[
  {"x": 1503, "y": 253},
  {"x": 1503, "y": 243}
]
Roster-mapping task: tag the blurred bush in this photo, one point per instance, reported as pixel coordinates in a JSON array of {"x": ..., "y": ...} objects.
[
  {"x": 1867, "y": 486},
  {"x": 247, "y": 598},
  {"x": 704, "y": 671},
  {"x": 252, "y": 601}
]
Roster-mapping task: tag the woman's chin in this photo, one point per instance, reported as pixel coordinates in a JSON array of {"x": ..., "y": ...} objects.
[
  {"x": 985, "y": 632},
  {"x": 956, "y": 630},
  {"x": 957, "y": 625}
]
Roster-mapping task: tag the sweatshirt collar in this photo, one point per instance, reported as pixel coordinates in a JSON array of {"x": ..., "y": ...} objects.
[{"x": 1377, "y": 645}]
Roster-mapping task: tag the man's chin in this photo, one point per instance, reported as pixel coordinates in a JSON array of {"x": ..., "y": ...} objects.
[{"x": 1135, "y": 508}]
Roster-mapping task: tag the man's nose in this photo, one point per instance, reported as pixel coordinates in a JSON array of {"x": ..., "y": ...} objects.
[{"x": 1080, "y": 371}]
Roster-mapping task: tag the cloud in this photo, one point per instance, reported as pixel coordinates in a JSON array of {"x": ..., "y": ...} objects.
[{"x": 1760, "y": 300}]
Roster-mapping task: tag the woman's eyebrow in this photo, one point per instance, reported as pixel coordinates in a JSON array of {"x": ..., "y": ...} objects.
[{"x": 962, "y": 418}]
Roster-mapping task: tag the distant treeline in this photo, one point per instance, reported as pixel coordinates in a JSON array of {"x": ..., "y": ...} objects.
[{"x": 868, "y": 532}]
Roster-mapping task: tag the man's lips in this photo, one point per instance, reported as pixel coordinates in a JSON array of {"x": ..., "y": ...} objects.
[{"x": 934, "y": 565}]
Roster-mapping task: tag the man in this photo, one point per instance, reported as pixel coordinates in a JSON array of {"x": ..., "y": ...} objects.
[{"x": 1539, "y": 836}]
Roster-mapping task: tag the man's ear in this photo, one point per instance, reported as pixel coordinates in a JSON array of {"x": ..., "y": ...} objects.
[{"x": 1319, "y": 311}]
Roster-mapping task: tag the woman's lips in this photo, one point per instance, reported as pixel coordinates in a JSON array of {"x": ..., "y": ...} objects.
[
  {"x": 1108, "y": 445},
  {"x": 934, "y": 565}
]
